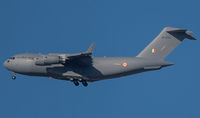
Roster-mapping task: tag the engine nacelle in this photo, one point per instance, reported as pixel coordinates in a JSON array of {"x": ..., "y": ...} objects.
[{"x": 48, "y": 60}]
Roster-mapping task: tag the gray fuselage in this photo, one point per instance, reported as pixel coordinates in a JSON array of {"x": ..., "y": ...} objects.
[{"x": 99, "y": 68}]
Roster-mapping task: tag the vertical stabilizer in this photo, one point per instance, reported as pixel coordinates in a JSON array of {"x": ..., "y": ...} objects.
[{"x": 165, "y": 42}]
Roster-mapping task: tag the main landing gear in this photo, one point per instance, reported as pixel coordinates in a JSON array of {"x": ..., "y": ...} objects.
[
  {"x": 76, "y": 82},
  {"x": 84, "y": 83}
]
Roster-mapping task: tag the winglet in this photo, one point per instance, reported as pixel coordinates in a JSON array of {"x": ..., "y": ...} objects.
[{"x": 90, "y": 49}]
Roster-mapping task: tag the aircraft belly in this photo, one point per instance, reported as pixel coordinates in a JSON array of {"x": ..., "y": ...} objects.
[
  {"x": 73, "y": 72},
  {"x": 103, "y": 68}
]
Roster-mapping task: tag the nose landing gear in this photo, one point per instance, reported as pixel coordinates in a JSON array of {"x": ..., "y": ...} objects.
[{"x": 13, "y": 77}]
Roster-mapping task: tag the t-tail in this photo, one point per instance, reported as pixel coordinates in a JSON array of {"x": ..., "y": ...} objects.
[{"x": 165, "y": 43}]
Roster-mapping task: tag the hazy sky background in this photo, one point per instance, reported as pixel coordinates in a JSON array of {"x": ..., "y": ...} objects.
[{"x": 118, "y": 28}]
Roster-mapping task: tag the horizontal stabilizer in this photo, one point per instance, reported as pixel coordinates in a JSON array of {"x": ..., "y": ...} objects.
[{"x": 186, "y": 33}]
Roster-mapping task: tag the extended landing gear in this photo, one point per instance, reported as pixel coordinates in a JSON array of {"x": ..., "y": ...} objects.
[
  {"x": 13, "y": 77},
  {"x": 84, "y": 83},
  {"x": 76, "y": 82}
]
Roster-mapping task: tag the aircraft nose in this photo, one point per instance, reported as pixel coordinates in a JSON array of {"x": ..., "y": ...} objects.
[{"x": 5, "y": 64}]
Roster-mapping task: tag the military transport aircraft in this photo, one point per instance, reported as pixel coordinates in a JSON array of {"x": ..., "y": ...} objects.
[{"x": 83, "y": 68}]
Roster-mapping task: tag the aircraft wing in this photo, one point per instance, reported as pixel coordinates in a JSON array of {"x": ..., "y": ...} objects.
[
  {"x": 83, "y": 54},
  {"x": 81, "y": 58}
]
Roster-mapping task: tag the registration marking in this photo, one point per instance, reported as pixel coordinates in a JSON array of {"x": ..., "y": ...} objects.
[
  {"x": 163, "y": 48},
  {"x": 29, "y": 60},
  {"x": 117, "y": 64}
]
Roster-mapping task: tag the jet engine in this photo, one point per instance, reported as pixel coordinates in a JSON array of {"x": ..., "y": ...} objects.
[{"x": 48, "y": 60}]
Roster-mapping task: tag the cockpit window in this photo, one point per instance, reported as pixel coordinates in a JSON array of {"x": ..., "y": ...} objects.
[{"x": 12, "y": 58}]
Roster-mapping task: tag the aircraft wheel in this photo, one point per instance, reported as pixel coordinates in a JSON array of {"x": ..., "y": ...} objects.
[
  {"x": 75, "y": 82},
  {"x": 13, "y": 77},
  {"x": 84, "y": 83}
]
